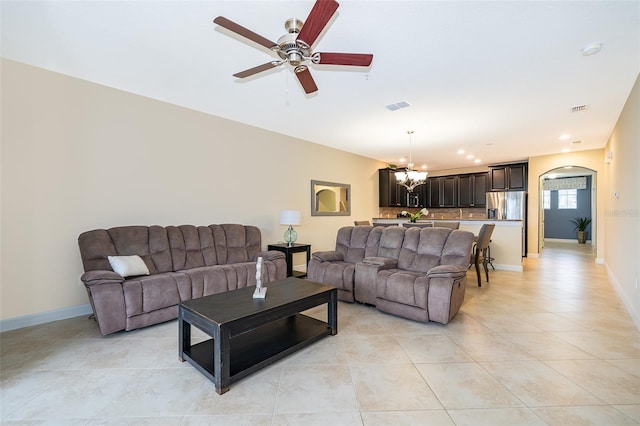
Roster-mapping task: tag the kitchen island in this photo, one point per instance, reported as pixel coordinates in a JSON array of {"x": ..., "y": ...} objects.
[{"x": 506, "y": 240}]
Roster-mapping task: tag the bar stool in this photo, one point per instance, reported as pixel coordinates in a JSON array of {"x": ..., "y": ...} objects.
[{"x": 481, "y": 252}]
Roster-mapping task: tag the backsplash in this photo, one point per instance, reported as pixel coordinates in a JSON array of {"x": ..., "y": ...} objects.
[{"x": 436, "y": 213}]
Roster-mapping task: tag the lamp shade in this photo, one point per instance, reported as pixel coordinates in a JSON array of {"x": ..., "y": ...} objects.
[{"x": 289, "y": 217}]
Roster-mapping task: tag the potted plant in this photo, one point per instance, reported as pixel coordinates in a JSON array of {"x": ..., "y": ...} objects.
[{"x": 581, "y": 224}]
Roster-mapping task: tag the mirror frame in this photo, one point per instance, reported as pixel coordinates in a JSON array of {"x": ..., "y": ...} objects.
[{"x": 314, "y": 206}]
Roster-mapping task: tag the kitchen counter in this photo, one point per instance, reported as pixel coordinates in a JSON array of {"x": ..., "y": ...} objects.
[{"x": 506, "y": 240}]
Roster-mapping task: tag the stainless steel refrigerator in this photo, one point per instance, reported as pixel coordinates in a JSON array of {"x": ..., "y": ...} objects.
[{"x": 510, "y": 205}]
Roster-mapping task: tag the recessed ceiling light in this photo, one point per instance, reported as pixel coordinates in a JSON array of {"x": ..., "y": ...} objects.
[
  {"x": 565, "y": 149},
  {"x": 591, "y": 49},
  {"x": 470, "y": 156},
  {"x": 576, "y": 142},
  {"x": 565, "y": 137},
  {"x": 460, "y": 151},
  {"x": 425, "y": 167},
  {"x": 477, "y": 161}
]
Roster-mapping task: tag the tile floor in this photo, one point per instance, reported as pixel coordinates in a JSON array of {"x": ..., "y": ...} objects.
[{"x": 550, "y": 345}]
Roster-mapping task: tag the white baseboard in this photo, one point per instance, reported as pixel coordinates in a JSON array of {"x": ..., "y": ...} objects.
[
  {"x": 564, "y": 240},
  {"x": 507, "y": 267},
  {"x": 44, "y": 317},
  {"x": 533, "y": 255},
  {"x": 635, "y": 316}
]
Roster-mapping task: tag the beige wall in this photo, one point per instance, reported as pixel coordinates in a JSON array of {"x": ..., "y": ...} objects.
[
  {"x": 77, "y": 156},
  {"x": 622, "y": 215}
]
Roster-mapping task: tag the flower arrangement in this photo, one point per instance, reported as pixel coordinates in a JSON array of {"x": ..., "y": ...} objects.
[{"x": 414, "y": 216}]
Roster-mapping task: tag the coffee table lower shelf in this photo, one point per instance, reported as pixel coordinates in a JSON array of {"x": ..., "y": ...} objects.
[{"x": 259, "y": 347}]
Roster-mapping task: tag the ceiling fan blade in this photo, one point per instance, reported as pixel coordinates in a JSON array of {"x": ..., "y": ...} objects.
[
  {"x": 305, "y": 78},
  {"x": 256, "y": 70},
  {"x": 244, "y": 32},
  {"x": 355, "y": 59},
  {"x": 319, "y": 16}
]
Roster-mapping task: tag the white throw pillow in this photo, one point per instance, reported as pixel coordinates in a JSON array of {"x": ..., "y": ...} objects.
[{"x": 128, "y": 266}]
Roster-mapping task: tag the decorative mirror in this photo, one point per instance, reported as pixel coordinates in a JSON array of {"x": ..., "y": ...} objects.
[{"x": 330, "y": 199}]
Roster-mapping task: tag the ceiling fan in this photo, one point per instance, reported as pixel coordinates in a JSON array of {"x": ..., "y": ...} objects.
[{"x": 294, "y": 47}]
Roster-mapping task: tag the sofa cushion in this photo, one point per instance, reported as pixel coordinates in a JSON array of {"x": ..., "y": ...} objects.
[
  {"x": 236, "y": 243},
  {"x": 149, "y": 293},
  {"x": 220, "y": 278},
  {"x": 191, "y": 247},
  {"x": 406, "y": 287},
  {"x": 390, "y": 242},
  {"x": 422, "y": 248},
  {"x": 351, "y": 241}
]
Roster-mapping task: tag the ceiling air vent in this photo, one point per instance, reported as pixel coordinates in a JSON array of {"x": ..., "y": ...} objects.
[
  {"x": 579, "y": 108},
  {"x": 398, "y": 105}
]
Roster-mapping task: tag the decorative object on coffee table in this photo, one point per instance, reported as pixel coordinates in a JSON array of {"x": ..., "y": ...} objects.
[
  {"x": 260, "y": 291},
  {"x": 290, "y": 217}
]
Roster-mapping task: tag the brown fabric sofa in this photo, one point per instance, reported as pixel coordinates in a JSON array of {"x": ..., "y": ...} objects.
[
  {"x": 416, "y": 273},
  {"x": 184, "y": 262}
]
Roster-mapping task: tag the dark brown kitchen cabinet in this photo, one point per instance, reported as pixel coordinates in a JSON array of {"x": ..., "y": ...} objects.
[
  {"x": 390, "y": 193},
  {"x": 442, "y": 191},
  {"x": 472, "y": 189},
  {"x": 511, "y": 177}
]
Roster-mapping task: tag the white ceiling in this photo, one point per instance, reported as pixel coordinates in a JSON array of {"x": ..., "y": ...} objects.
[{"x": 497, "y": 79}]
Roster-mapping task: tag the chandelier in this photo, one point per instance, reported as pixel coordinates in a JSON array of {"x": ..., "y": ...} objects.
[{"x": 410, "y": 178}]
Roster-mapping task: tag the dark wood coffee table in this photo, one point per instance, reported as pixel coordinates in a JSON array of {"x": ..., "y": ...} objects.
[{"x": 249, "y": 334}]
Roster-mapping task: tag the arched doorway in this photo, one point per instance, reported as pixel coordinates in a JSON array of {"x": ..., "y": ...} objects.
[{"x": 545, "y": 201}]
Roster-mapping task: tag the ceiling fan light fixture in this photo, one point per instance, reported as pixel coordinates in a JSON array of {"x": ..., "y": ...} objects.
[{"x": 294, "y": 47}]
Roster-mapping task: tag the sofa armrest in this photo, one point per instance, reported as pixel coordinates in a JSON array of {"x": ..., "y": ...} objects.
[
  {"x": 91, "y": 278},
  {"x": 383, "y": 262},
  {"x": 269, "y": 255},
  {"x": 447, "y": 271},
  {"x": 104, "y": 289},
  {"x": 328, "y": 256}
]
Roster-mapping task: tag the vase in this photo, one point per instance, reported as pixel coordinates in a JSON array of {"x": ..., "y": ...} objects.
[
  {"x": 582, "y": 237},
  {"x": 412, "y": 220}
]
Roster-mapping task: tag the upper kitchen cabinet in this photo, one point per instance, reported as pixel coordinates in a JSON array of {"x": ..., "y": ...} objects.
[
  {"x": 442, "y": 191},
  {"x": 472, "y": 189},
  {"x": 509, "y": 177},
  {"x": 390, "y": 193}
]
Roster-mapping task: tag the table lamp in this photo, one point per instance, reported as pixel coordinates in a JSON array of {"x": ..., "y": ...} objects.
[{"x": 290, "y": 217}]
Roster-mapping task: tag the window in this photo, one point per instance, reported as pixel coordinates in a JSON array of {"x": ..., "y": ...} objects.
[
  {"x": 546, "y": 200},
  {"x": 567, "y": 199}
]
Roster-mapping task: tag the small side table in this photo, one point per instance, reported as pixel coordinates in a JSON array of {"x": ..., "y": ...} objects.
[{"x": 288, "y": 252}]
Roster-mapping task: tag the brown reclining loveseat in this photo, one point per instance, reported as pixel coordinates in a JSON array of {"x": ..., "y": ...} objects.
[
  {"x": 182, "y": 262},
  {"x": 416, "y": 273}
]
